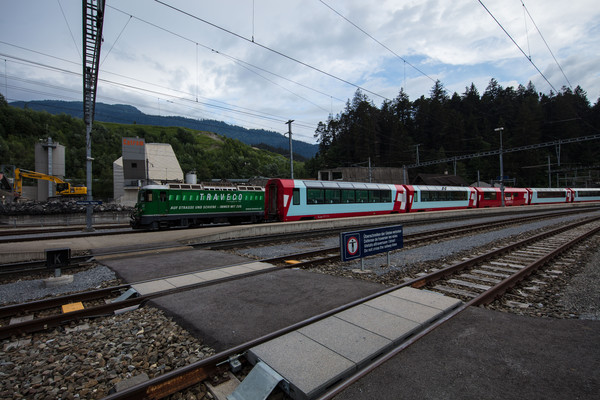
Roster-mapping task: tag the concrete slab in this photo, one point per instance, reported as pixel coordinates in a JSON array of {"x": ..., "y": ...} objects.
[
  {"x": 58, "y": 281},
  {"x": 185, "y": 280},
  {"x": 404, "y": 308},
  {"x": 426, "y": 297},
  {"x": 311, "y": 364},
  {"x": 388, "y": 325},
  {"x": 237, "y": 270},
  {"x": 257, "y": 266},
  {"x": 313, "y": 357},
  {"x": 212, "y": 274},
  {"x": 145, "y": 288},
  {"x": 350, "y": 341}
]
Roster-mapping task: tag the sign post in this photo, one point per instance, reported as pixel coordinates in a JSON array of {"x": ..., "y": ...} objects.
[{"x": 361, "y": 244}]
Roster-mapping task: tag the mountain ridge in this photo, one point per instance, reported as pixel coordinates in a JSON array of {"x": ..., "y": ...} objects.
[{"x": 127, "y": 114}]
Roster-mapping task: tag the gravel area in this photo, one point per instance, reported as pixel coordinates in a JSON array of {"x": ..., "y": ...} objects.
[
  {"x": 401, "y": 260},
  {"x": 86, "y": 360},
  {"x": 26, "y": 290}
]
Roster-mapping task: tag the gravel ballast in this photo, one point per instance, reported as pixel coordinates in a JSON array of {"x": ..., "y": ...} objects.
[{"x": 86, "y": 360}]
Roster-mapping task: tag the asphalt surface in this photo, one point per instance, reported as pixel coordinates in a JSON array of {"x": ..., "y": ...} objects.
[
  {"x": 230, "y": 314},
  {"x": 153, "y": 266},
  {"x": 485, "y": 354}
]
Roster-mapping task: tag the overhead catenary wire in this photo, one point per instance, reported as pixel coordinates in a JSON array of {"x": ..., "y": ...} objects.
[
  {"x": 519, "y": 47},
  {"x": 546, "y": 43},
  {"x": 230, "y": 57},
  {"x": 377, "y": 41},
  {"x": 181, "y": 97},
  {"x": 179, "y": 10}
]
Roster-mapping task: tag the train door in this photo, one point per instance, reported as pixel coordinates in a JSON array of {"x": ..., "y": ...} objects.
[
  {"x": 163, "y": 202},
  {"x": 570, "y": 195},
  {"x": 272, "y": 211}
]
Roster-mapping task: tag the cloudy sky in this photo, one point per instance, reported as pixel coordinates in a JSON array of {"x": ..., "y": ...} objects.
[{"x": 260, "y": 63}]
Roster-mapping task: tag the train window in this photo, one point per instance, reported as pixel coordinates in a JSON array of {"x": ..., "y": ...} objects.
[
  {"x": 296, "y": 197},
  {"x": 348, "y": 196},
  {"x": 148, "y": 196},
  {"x": 588, "y": 193},
  {"x": 362, "y": 196},
  {"x": 386, "y": 196},
  {"x": 489, "y": 195},
  {"x": 163, "y": 196},
  {"x": 314, "y": 196},
  {"x": 550, "y": 195},
  {"x": 374, "y": 196},
  {"x": 332, "y": 196},
  {"x": 444, "y": 195}
]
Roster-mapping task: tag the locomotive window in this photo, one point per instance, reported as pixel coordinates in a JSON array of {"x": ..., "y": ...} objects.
[
  {"x": 148, "y": 197},
  {"x": 332, "y": 196},
  {"x": 348, "y": 196},
  {"x": 489, "y": 195},
  {"x": 163, "y": 196},
  {"x": 314, "y": 196},
  {"x": 296, "y": 197}
]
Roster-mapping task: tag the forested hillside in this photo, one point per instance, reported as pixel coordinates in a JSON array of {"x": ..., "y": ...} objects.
[
  {"x": 125, "y": 114},
  {"x": 445, "y": 126},
  {"x": 210, "y": 155}
]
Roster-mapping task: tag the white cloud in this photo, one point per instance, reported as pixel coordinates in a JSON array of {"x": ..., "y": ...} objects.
[{"x": 153, "y": 47}]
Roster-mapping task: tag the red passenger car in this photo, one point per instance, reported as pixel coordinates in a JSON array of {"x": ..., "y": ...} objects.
[{"x": 491, "y": 197}]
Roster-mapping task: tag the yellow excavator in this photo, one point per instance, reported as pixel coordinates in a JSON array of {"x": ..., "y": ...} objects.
[{"x": 62, "y": 188}]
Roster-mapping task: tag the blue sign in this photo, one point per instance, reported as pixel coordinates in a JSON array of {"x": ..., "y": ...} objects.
[{"x": 360, "y": 244}]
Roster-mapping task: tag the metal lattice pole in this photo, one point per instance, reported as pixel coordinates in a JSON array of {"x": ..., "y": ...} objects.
[{"x": 93, "y": 19}]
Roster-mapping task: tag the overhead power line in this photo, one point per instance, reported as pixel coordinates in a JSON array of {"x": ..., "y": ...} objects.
[
  {"x": 377, "y": 41},
  {"x": 546, "y": 43},
  {"x": 512, "y": 150},
  {"x": 279, "y": 53},
  {"x": 519, "y": 47}
]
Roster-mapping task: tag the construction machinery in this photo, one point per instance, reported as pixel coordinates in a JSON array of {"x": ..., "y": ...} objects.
[{"x": 63, "y": 189}]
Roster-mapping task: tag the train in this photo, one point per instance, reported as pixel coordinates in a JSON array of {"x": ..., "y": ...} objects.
[
  {"x": 190, "y": 205},
  {"x": 187, "y": 205}
]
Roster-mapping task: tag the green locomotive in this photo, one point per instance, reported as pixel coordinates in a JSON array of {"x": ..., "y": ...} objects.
[{"x": 187, "y": 205}]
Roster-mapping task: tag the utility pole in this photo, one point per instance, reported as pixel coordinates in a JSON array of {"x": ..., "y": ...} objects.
[
  {"x": 93, "y": 19},
  {"x": 417, "y": 146},
  {"x": 501, "y": 166},
  {"x": 289, "y": 124}
]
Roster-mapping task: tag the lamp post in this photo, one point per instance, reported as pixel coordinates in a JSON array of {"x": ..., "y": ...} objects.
[{"x": 501, "y": 167}]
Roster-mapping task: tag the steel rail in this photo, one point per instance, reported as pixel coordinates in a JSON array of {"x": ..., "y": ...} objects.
[
  {"x": 195, "y": 373},
  {"x": 485, "y": 298},
  {"x": 55, "y": 320}
]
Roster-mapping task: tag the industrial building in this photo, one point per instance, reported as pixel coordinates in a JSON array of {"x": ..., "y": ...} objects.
[{"x": 143, "y": 164}]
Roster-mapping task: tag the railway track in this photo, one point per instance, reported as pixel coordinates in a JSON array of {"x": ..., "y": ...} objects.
[
  {"x": 36, "y": 267},
  {"x": 44, "y": 314},
  {"x": 532, "y": 253}
]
